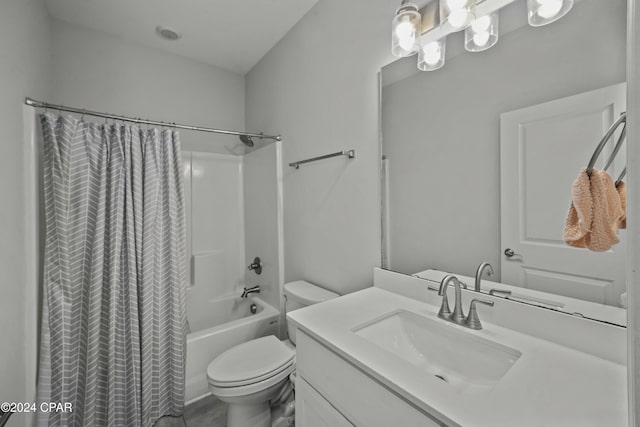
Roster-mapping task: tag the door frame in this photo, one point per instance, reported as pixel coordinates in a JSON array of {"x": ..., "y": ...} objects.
[{"x": 633, "y": 210}]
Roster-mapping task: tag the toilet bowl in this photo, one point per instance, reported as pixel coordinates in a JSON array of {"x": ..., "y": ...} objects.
[
  {"x": 248, "y": 377},
  {"x": 253, "y": 376}
]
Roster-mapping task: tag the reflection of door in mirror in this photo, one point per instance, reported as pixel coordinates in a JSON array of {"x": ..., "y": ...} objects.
[{"x": 542, "y": 148}]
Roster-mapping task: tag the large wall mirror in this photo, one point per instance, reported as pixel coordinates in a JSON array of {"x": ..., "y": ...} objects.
[{"x": 479, "y": 158}]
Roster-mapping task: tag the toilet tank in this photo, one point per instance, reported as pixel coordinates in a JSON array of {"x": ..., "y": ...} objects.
[{"x": 300, "y": 294}]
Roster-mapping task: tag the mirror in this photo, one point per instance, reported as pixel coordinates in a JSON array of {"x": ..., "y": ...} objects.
[{"x": 479, "y": 158}]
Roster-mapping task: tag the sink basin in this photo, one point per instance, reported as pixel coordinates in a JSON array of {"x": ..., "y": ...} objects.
[{"x": 467, "y": 362}]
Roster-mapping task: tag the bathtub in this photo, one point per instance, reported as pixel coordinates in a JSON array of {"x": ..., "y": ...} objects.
[{"x": 215, "y": 327}]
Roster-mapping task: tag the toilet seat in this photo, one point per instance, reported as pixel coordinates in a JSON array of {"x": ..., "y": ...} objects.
[
  {"x": 246, "y": 390},
  {"x": 251, "y": 363},
  {"x": 226, "y": 384}
]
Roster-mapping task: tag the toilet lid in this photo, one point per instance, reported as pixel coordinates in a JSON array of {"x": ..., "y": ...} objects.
[{"x": 250, "y": 362}]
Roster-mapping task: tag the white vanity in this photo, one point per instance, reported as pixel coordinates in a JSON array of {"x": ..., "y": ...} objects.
[{"x": 378, "y": 358}]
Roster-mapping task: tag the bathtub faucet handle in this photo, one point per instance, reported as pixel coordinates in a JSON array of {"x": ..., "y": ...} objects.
[
  {"x": 256, "y": 265},
  {"x": 251, "y": 290}
]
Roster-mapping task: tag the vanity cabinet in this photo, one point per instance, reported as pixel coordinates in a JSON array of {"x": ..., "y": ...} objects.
[
  {"x": 331, "y": 391},
  {"x": 313, "y": 410}
]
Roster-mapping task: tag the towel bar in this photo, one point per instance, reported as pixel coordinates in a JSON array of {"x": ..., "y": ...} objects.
[
  {"x": 350, "y": 153},
  {"x": 622, "y": 120}
]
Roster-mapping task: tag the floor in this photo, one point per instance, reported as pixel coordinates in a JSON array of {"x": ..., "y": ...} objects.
[
  {"x": 207, "y": 412},
  {"x": 210, "y": 412}
]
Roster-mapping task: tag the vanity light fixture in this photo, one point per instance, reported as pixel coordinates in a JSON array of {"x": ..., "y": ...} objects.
[
  {"x": 424, "y": 31},
  {"x": 482, "y": 33},
  {"x": 406, "y": 28},
  {"x": 457, "y": 14},
  {"x": 543, "y": 12},
  {"x": 431, "y": 55}
]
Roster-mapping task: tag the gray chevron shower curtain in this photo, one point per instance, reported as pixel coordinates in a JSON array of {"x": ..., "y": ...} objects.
[{"x": 113, "y": 316}]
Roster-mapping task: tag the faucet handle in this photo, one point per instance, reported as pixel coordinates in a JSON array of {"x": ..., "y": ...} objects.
[
  {"x": 473, "y": 321},
  {"x": 445, "y": 311},
  {"x": 256, "y": 265},
  {"x": 435, "y": 289},
  {"x": 500, "y": 291}
]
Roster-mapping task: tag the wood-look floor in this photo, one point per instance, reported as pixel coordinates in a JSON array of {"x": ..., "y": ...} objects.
[{"x": 207, "y": 412}]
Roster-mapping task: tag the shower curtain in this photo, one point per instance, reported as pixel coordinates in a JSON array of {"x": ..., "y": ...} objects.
[{"x": 113, "y": 316}]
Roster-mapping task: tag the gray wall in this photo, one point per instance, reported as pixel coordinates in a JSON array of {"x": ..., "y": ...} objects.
[
  {"x": 441, "y": 132},
  {"x": 318, "y": 87},
  {"x": 97, "y": 71},
  {"x": 24, "y": 67}
]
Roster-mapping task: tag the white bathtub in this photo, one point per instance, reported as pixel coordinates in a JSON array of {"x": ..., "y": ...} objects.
[{"x": 216, "y": 327}]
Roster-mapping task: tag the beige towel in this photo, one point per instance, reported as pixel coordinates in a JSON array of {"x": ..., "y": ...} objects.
[
  {"x": 578, "y": 222},
  {"x": 607, "y": 212},
  {"x": 595, "y": 212},
  {"x": 622, "y": 191}
]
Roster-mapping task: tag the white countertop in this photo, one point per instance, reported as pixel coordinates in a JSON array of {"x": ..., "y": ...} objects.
[{"x": 549, "y": 385}]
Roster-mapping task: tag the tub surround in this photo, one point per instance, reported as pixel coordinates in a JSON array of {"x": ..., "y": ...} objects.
[
  {"x": 233, "y": 206},
  {"x": 549, "y": 384}
]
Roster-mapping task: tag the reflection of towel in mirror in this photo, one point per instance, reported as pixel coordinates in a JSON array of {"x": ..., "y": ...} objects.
[
  {"x": 607, "y": 212},
  {"x": 578, "y": 222},
  {"x": 622, "y": 191},
  {"x": 595, "y": 212}
]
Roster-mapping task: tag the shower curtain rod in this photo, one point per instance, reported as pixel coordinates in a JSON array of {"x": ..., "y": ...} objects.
[{"x": 40, "y": 104}]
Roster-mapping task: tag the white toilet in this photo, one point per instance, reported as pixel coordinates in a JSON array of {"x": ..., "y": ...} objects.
[{"x": 250, "y": 375}]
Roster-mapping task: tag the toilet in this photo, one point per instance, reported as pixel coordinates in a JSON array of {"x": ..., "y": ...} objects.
[{"x": 252, "y": 376}]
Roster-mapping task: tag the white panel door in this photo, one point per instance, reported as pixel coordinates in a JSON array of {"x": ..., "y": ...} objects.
[{"x": 542, "y": 148}]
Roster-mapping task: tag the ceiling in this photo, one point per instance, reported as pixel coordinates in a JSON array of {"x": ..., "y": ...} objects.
[{"x": 230, "y": 34}]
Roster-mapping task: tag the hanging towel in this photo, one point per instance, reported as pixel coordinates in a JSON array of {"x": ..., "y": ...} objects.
[
  {"x": 595, "y": 213},
  {"x": 578, "y": 222},
  {"x": 622, "y": 191},
  {"x": 607, "y": 212}
]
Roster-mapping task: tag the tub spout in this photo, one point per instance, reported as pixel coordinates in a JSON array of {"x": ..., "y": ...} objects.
[{"x": 251, "y": 290}]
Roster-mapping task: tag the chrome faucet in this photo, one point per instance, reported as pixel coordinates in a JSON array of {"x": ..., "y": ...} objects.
[
  {"x": 481, "y": 268},
  {"x": 445, "y": 312},
  {"x": 472, "y": 321},
  {"x": 251, "y": 290}
]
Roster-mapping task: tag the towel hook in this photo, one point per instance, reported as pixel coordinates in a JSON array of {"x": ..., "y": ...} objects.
[{"x": 621, "y": 120}]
